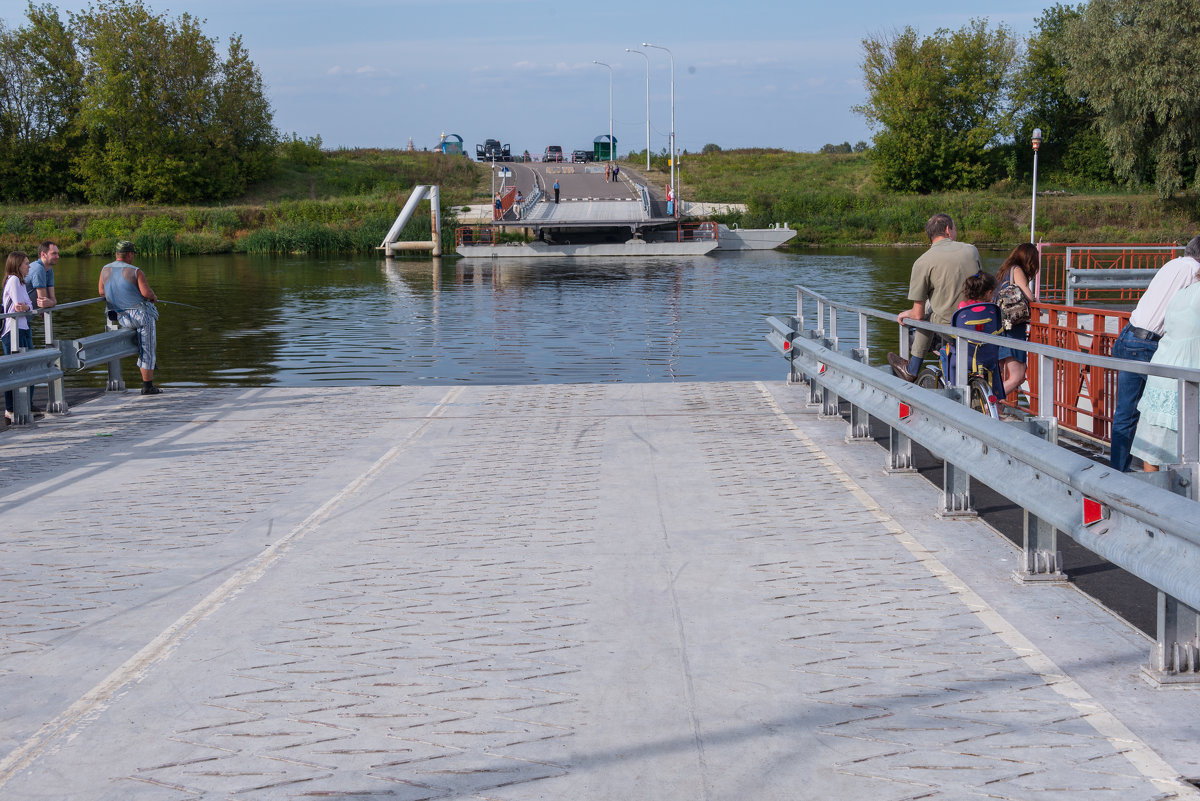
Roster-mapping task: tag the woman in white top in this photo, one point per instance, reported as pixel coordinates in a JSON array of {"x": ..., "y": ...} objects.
[{"x": 16, "y": 299}]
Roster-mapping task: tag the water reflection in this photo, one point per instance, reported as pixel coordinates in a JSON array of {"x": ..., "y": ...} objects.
[{"x": 300, "y": 321}]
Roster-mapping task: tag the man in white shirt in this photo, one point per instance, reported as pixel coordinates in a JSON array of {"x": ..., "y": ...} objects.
[{"x": 1138, "y": 340}]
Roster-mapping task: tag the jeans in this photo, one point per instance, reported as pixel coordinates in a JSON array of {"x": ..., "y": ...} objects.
[
  {"x": 1129, "y": 392},
  {"x": 25, "y": 342}
]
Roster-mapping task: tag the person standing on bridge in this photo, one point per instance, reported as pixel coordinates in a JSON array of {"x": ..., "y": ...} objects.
[
  {"x": 16, "y": 299},
  {"x": 1138, "y": 341},
  {"x": 1157, "y": 439},
  {"x": 517, "y": 205},
  {"x": 129, "y": 297},
  {"x": 935, "y": 288},
  {"x": 40, "y": 281},
  {"x": 556, "y": 191}
]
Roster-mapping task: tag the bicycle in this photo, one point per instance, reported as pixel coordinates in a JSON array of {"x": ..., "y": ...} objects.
[{"x": 979, "y": 384}]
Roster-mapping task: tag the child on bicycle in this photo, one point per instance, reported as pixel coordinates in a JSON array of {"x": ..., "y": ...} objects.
[{"x": 977, "y": 312}]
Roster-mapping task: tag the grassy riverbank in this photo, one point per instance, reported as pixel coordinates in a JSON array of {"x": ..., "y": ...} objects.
[
  {"x": 339, "y": 202},
  {"x": 345, "y": 201},
  {"x": 830, "y": 199}
]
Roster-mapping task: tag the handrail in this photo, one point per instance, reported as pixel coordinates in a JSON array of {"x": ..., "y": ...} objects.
[
  {"x": 1142, "y": 523},
  {"x": 57, "y": 403}
]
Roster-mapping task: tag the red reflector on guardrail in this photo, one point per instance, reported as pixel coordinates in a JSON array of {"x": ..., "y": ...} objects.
[
  {"x": 905, "y": 411},
  {"x": 787, "y": 345},
  {"x": 820, "y": 368},
  {"x": 1093, "y": 511}
]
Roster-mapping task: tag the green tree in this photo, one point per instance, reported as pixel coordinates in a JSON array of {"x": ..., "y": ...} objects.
[
  {"x": 1134, "y": 64},
  {"x": 1073, "y": 151},
  {"x": 939, "y": 104},
  {"x": 40, "y": 92},
  {"x": 163, "y": 119}
]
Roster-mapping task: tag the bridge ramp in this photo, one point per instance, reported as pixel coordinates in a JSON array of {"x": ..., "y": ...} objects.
[{"x": 670, "y": 591}]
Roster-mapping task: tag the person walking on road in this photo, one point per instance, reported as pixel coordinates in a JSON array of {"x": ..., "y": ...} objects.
[
  {"x": 608, "y": 171},
  {"x": 616, "y": 173},
  {"x": 1138, "y": 341},
  {"x": 556, "y": 190}
]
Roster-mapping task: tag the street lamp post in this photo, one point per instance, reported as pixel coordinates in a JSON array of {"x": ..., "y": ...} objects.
[
  {"x": 674, "y": 194},
  {"x": 610, "y": 131},
  {"x": 1037, "y": 142},
  {"x": 643, "y": 55}
]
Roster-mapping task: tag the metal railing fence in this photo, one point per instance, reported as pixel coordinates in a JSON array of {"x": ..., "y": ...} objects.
[
  {"x": 112, "y": 345},
  {"x": 1059, "y": 259},
  {"x": 1147, "y": 524}
]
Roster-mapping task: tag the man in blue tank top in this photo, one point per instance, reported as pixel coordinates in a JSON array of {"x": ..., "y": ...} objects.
[{"x": 128, "y": 295}]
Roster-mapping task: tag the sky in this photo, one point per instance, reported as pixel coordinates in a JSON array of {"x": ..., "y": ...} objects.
[{"x": 379, "y": 73}]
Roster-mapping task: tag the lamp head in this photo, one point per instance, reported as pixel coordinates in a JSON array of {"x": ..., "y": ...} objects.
[{"x": 1037, "y": 138}]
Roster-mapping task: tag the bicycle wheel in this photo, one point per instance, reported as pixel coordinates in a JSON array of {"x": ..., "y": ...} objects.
[
  {"x": 982, "y": 399},
  {"x": 930, "y": 378}
]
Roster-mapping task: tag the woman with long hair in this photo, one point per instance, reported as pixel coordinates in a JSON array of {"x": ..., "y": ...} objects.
[
  {"x": 16, "y": 299},
  {"x": 1018, "y": 269}
]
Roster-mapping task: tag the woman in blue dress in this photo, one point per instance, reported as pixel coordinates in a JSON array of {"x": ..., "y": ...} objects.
[
  {"x": 1157, "y": 439},
  {"x": 1019, "y": 268}
]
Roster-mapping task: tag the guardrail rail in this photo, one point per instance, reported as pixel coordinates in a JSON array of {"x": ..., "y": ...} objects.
[{"x": 1147, "y": 524}]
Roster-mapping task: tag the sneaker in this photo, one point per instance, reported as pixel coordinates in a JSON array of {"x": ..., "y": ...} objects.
[
  {"x": 900, "y": 367},
  {"x": 151, "y": 391}
]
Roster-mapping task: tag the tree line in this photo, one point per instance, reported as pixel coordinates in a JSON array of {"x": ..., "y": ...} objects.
[
  {"x": 1113, "y": 86},
  {"x": 119, "y": 103}
]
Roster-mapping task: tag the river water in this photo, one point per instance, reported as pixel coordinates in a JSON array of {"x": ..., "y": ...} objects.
[{"x": 304, "y": 321}]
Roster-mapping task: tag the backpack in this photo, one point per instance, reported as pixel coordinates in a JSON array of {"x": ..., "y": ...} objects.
[{"x": 1014, "y": 306}]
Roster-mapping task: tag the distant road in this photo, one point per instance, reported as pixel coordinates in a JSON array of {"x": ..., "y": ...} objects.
[{"x": 576, "y": 181}]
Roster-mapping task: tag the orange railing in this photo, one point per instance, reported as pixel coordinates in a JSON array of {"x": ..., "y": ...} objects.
[
  {"x": 475, "y": 235},
  {"x": 1084, "y": 396},
  {"x": 507, "y": 198},
  {"x": 1056, "y": 257},
  {"x": 689, "y": 232}
]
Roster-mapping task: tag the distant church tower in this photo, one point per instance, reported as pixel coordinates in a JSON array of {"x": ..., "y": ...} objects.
[{"x": 410, "y": 144}]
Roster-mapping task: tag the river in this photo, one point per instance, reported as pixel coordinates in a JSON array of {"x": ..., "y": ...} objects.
[{"x": 306, "y": 321}]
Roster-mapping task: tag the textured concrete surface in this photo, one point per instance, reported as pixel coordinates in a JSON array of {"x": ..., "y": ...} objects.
[{"x": 667, "y": 591}]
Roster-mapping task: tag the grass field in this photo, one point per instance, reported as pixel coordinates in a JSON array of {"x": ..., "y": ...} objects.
[{"x": 345, "y": 201}]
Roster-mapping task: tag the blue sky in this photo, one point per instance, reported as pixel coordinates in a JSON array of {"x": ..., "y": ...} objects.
[{"x": 375, "y": 73}]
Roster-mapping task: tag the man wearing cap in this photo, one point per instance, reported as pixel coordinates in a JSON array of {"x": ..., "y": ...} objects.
[
  {"x": 129, "y": 297},
  {"x": 1138, "y": 340}
]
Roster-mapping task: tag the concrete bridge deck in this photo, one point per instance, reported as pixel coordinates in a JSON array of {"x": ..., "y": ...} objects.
[{"x": 660, "y": 591}]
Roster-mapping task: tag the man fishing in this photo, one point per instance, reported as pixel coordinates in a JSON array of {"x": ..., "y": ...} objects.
[{"x": 128, "y": 295}]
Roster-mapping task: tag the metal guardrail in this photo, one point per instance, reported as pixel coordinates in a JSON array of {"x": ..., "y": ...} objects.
[
  {"x": 107, "y": 347},
  {"x": 1111, "y": 280},
  {"x": 644, "y": 193},
  {"x": 1147, "y": 524},
  {"x": 19, "y": 371}
]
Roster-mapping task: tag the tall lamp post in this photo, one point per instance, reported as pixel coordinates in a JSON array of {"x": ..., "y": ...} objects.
[
  {"x": 674, "y": 194},
  {"x": 610, "y": 132},
  {"x": 643, "y": 55},
  {"x": 1037, "y": 142}
]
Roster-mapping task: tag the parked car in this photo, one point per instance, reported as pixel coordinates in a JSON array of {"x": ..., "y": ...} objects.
[
  {"x": 581, "y": 156},
  {"x": 553, "y": 153},
  {"x": 492, "y": 150}
]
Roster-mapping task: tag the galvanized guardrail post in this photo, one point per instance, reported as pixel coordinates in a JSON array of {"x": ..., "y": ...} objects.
[
  {"x": 1041, "y": 560},
  {"x": 1175, "y": 658},
  {"x": 859, "y": 427},
  {"x": 1150, "y": 532}
]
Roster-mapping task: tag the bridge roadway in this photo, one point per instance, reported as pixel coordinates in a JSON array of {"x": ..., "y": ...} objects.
[{"x": 669, "y": 591}]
